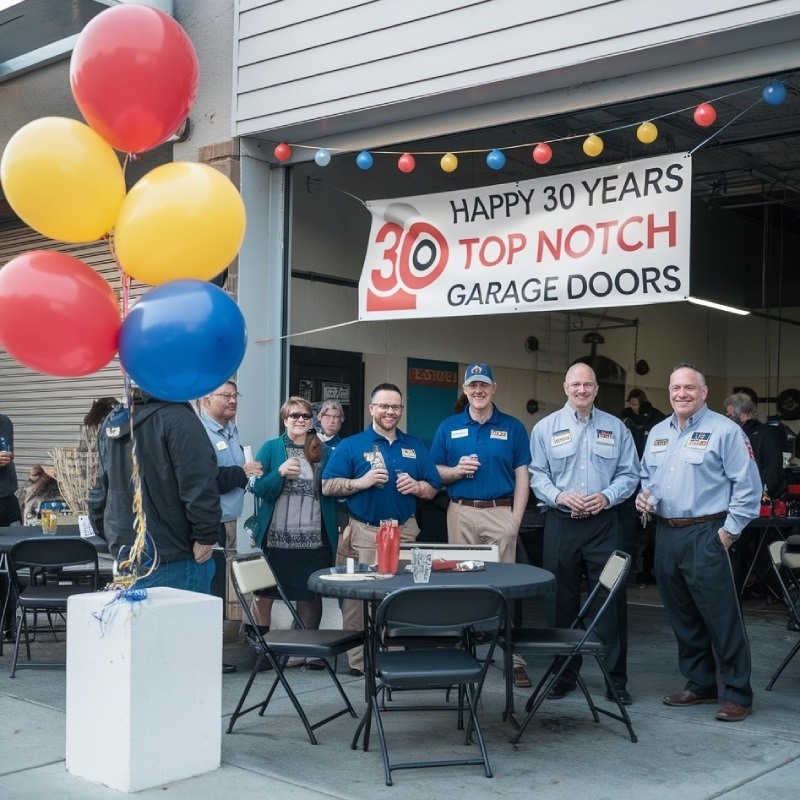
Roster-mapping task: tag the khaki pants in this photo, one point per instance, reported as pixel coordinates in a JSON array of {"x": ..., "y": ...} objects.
[
  {"x": 358, "y": 541},
  {"x": 469, "y": 525}
]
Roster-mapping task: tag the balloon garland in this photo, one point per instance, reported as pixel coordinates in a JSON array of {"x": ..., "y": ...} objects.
[{"x": 704, "y": 116}]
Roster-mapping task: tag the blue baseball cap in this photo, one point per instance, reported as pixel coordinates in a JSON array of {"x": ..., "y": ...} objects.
[{"x": 478, "y": 372}]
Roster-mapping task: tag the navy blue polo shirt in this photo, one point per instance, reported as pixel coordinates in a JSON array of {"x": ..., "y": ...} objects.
[
  {"x": 501, "y": 444},
  {"x": 353, "y": 457}
]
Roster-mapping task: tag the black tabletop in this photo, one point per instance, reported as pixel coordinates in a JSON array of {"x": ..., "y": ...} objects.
[
  {"x": 515, "y": 581},
  {"x": 16, "y": 533},
  {"x": 774, "y": 522}
]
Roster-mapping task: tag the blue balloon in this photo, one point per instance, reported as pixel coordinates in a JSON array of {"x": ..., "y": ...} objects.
[
  {"x": 322, "y": 157},
  {"x": 182, "y": 340},
  {"x": 774, "y": 93},
  {"x": 364, "y": 159},
  {"x": 496, "y": 159}
]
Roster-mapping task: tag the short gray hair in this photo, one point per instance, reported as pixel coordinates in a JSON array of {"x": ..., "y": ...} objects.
[
  {"x": 334, "y": 404},
  {"x": 741, "y": 404}
]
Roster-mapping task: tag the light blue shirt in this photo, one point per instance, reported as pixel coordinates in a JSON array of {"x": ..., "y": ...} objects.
[
  {"x": 225, "y": 441},
  {"x": 595, "y": 454},
  {"x": 706, "y": 468}
]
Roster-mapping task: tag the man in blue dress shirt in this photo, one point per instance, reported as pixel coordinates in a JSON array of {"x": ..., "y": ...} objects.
[
  {"x": 700, "y": 477},
  {"x": 583, "y": 464},
  {"x": 381, "y": 472}
]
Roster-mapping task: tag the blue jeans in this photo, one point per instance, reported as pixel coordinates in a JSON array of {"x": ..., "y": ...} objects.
[{"x": 184, "y": 574}]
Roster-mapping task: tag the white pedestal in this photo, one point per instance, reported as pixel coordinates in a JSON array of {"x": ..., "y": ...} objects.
[{"x": 144, "y": 694}]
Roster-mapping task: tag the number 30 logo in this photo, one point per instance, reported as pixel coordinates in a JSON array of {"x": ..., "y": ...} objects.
[{"x": 413, "y": 259}]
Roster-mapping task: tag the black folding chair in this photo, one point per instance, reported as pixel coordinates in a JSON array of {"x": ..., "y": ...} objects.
[
  {"x": 252, "y": 573},
  {"x": 422, "y": 666},
  {"x": 49, "y": 586},
  {"x": 565, "y": 645},
  {"x": 783, "y": 561}
]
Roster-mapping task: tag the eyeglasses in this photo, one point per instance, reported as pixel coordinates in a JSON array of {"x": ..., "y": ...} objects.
[
  {"x": 331, "y": 416},
  {"x": 227, "y": 395},
  {"x": 385, "y": 407},
  {"x": 298, "y": 415},
  {"x": 575, "y": 386}
]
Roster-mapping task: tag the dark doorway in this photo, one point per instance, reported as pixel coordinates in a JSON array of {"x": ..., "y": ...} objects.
[{"x": 318, "y": 374}]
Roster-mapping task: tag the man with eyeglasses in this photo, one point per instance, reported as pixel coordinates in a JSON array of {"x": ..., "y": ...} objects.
[
  {"x": 583, "y": 464},
  {"x": 482, "y": 456},
  {"x": 381, "y": 473},
  {"x": 218, "y": 414}
]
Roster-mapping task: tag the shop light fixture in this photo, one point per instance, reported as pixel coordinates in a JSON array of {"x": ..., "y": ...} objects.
[{"x": 718, "y": 306}]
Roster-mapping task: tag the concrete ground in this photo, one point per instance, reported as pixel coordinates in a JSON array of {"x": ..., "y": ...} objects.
[{"x": 683, "y": 753}]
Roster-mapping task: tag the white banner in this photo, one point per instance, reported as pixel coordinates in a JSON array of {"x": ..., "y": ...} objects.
[{"x": 610, "y": 236}]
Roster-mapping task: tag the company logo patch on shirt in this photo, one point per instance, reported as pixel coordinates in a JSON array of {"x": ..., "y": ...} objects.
[
  {"x": 561, "y": 437},
  {"x": 498, "y": 435},
  {"x": 605, "y": 437},
  {"x": 749, "y": 449},
  {"x": 699, "y": 441},
  {"x": 408, "y": 452},
  {"x": 221, "y": 445},
  {"x": 459, "y": 434},
  {"x": 659, "y": 445}
]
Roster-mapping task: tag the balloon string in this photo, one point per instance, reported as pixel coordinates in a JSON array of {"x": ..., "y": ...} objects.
[
  {"x": 305, "y": 333},
  {"x": 730, "y": 122}
]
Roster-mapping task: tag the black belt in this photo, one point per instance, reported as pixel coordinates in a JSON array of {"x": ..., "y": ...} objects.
[
  {"x": 685, "y": 522},
  {"x": 500, "y": 502}
]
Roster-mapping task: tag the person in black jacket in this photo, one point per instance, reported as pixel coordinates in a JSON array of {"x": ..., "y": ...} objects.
[
  {"x": 180, "y": 498},
  {"x": 639, "y": 417}
]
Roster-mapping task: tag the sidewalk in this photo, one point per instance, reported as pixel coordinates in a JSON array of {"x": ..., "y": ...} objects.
[{"x": 682, "y": 753}]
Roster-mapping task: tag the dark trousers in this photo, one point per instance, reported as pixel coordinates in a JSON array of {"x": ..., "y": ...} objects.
[
  {"x": 575, "y": 546},
  {"x": 696, "y": 584},
  {"x": 9, "y": 511}
]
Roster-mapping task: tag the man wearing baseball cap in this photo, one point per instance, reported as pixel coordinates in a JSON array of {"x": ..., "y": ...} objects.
[{"x": 482, "y": 456}]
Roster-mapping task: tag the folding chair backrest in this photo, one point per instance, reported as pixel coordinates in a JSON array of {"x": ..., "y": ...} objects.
[
  {"x": 54, "y": 552},
  {"x": 453, "y": 552},
  {"x": 616, "y": 570},
  {"x": 790, "y": 556},
  {"x": 443, "y": 607},
  {"x": 777, "y": 553},
  {"x": 252, "y": 574}
]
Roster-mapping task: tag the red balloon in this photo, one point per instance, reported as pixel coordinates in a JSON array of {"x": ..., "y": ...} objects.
[
  {"x": 57, "y": 315},
  {"x": 134, "y": 76},
  {"x": 283, "y": 152},
  {"x": 542, "y": 153},
  {"x": 406, "y": 163},
  {"x": 705, "y": 115}
]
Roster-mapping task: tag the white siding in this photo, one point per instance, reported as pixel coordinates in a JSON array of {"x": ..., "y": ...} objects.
[{"x": 299, "y": 64}]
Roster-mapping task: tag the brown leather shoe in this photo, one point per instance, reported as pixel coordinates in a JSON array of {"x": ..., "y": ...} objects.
[
  {"x": 521, "y": 679},
  {"x": 733, "y": 712},
  {"x": 687, "y": 698}
]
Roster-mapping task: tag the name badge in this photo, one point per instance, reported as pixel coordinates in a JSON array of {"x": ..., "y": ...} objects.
[
  {"x": 459, "y": 434},
  {"x": 222, "y": 445},
  {"x": 499, "y": 435},
  {"x": 561, "y": 437},
  {"x": 408, "y": 452},
  {"x": 605, "y": 437},
  {"x": 659, "y": 445},
  {"x": 698, "y": 441}
]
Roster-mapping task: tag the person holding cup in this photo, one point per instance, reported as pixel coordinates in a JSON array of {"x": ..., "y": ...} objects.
[
  {"x": 482, "y": 456},
  {"x": 296, "y": 522}
]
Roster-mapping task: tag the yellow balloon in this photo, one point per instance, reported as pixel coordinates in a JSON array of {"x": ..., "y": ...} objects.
[
  {"x": 592, "y": 146},
  {"x": 181, "y": 220},
  {"x": 62, "y": 179},
  {"x": 647, "y": 133},
  {"x": 449, "y": 162}
]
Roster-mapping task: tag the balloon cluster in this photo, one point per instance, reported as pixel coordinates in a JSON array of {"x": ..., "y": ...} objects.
[
  {"x": 134, "y": 76},
  {"x": 704, "y": 115}
]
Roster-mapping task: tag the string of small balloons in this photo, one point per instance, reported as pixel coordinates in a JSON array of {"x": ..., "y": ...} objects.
[{"x": 704, "y": 115}]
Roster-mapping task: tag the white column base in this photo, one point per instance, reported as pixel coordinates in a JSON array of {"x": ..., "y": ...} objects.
[{"x": 144, "y": 691}]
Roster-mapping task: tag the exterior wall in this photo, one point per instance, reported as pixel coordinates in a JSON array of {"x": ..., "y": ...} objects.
[{"x": 321, "y": 67}]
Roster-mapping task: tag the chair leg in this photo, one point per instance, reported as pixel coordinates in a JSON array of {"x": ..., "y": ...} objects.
[
  {"x": 783, "y": 665},
  {"x": 623, "y": 715},
  {"x": 293, "y": 697},
  {"x": 592, "y": 707},
  {"x": 332, "y": 673},
  {"x": 20, "y": 623},
  {"x": 246, "y": 691},
  {"x": 539, "y": 694},
  {"x": 382, "y": 737},
  {"x": 472, "y": 699}
]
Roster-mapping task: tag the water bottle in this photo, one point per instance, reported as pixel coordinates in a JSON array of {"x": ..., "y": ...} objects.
[{"x": 4, "y": 445}]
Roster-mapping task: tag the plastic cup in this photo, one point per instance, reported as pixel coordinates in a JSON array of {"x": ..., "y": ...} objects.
[
  {"x": 421, "y": 563},
  {"x": 49, "y": 520}
]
